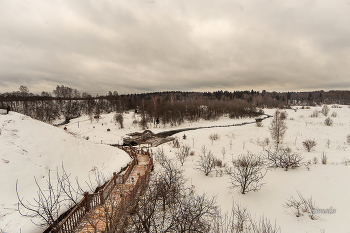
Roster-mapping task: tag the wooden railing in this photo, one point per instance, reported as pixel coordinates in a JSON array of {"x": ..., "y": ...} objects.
[{"x": 90, "y": 201}]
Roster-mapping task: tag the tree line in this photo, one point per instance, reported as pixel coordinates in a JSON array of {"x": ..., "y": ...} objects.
[{"x": 163, "y": 108}]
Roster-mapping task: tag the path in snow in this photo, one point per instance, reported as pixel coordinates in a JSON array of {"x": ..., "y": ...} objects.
[{"x": 114, "y": 203}]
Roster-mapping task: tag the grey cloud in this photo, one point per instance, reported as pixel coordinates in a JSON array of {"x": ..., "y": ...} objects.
[{"x": 141, "y": 46}]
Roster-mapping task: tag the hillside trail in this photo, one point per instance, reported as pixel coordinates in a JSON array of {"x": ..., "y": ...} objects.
[{"x": 96, "y": 220}]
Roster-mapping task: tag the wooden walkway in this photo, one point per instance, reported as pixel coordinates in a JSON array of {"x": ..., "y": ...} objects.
[{"x": 115, "y": 209}]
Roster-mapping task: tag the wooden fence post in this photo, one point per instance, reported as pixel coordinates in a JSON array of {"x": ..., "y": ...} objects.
[
  {"x": 87, "y": 201},
  {"x": 115, "y": 178},
  {"x": 102, "y": 200}
]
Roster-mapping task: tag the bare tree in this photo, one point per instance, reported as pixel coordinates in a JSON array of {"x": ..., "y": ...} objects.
[
  {"x": 118, "y": 117},
  {"x": 309, "y": 144},
  {"x": 46, "y": 208},
  {"x": 182, "y": 153},
  {"x": 97, "y": 113},
  {"x": 205, "y": 162},
  {"x": 168, "y": 206},
  {"x": 277, "y": 128},
  {"x": 248, "y": 173}
]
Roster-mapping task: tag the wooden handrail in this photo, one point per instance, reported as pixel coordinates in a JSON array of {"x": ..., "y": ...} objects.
[{"x": 89, "y": 201}]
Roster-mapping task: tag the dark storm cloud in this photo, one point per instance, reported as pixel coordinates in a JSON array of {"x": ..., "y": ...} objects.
[{"x": 142, "y": 46}]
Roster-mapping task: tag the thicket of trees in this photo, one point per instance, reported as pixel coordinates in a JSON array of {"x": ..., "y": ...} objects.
[{"x": 160, "y": 108}]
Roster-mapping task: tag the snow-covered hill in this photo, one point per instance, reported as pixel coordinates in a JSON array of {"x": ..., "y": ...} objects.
[{"x": 30, "y": 148}]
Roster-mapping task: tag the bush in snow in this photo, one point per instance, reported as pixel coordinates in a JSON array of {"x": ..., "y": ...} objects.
[
  {"x": 284, "y": 158},
  {"x": 315, "y": 113},
  {"x": 240, "y": 220},
  {"x": 176, "y": 143},
  {"x": 283, "y": 115},
  {"x": 309, "y": 144},
  {"x": 214, "y": 137},
  {"x": 324, "y": 158},
  {"x": 299, "y": 204},
  {"x": 248, "y": 173},
  {"x": 182, "y": 153},
  {"x": 325, "y": 110},
  {"x": 334, "y": 114},
  {"x": 205, "y": 162},
  {"x": 328, "y": 122},
  {"x": 259, "y": 124},
  {"x": 348, "y": 138}
]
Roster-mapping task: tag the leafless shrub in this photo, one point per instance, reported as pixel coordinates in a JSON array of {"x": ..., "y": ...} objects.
[
  {"x": 325, "y": 110},
  {"x": 301, "y": 204},
  {"x": 218, "y": 163},
  {"x": 328, "y": 121},
  {"x": 295, "y": 205},
  {"x": 205, "y": 162},
  {"x": 284, "y": 158},
  {"x": 324, "y": 158},
  {"x": 309, "y": 144},
  {"x": 348, "y": 138},
  {"x": 248, "y": 173},
  {"x": 259, "y": 124},
  {"x": 315, "y": 113},
  {"x": 315, "y": 160},
  {"x": 346, "y": 162},
  {"x": 267, "y": 141},
  {"x": 231, "y": 144},
  {"x": 283, "y": 115},
  {"x": 240, "y": 220},
  {"x": 176, "y": 143},
  {"x": 135, "y": 123},
  {"x": 214, "y": 137},
  {"x": 328, "y": 143},
  {"x": 334, "y": 114},
  {"x": 223, "y": 152}
]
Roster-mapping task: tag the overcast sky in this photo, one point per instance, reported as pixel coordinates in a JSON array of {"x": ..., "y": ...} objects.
[{"x": 134, "y": 46}]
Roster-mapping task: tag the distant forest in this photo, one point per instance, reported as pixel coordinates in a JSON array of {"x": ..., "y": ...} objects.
[{"x": 172, "y": 107}]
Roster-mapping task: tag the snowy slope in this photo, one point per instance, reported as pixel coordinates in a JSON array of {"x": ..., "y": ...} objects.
[
  {"x": 29, "y": 148},
  {"x": 327, "y": 184}
]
